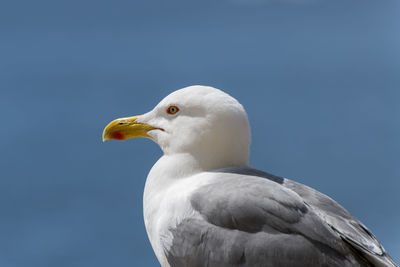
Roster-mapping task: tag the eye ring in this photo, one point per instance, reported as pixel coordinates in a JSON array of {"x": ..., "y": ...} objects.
[{"x": 171, "y": 110}]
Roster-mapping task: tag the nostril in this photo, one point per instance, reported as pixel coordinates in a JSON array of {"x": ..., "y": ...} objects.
[{"x": 122, "y": 123}]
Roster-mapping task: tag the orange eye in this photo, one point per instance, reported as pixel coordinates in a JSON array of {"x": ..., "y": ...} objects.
[{"x": 172, "y": 110}]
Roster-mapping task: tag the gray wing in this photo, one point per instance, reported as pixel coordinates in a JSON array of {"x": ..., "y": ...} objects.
[
  {"x": 247, "y": 221},
  {"x": 352, "y": 231}
]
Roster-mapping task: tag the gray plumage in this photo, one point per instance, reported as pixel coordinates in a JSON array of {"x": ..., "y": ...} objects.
[{"x": 251, "y": 218}]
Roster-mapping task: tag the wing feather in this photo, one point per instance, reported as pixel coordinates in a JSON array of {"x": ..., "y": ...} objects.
[{"x": 243, "y": 220}]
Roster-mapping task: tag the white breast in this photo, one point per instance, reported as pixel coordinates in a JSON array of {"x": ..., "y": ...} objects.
[{"x": 166, "y": 202}]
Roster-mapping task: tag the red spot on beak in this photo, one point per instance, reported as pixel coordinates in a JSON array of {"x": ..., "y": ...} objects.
[{"x": 117, "y": 135}]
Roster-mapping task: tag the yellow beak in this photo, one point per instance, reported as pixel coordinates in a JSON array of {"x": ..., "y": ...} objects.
[{"x": 125, "y": 128}]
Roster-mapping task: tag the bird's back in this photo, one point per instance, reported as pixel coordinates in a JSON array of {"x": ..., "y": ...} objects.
[{"x": 251, "y": 218}]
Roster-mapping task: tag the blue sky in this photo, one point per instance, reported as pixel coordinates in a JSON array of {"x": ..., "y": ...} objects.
[{"x": 319, "y": 80}]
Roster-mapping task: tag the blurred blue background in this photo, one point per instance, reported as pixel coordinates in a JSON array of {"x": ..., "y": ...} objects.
[{"x": 319, "y": 79}]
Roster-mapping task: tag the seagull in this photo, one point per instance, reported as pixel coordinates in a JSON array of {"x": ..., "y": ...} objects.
[{"x": 204, "y": 206}]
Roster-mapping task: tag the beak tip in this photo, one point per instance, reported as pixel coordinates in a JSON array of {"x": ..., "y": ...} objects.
[{"x": 104, "y": 137}]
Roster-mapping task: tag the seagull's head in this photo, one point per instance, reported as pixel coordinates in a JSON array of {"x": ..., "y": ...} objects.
[{"x": 198, "y": 120}]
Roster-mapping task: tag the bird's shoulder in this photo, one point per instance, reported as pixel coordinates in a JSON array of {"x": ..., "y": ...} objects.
[
  {"x": 241, "y": 200},
  {"x": 245, "y": 217},
  {"x": 250, "y": 200}
]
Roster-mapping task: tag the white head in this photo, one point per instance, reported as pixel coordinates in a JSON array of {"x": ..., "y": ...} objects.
[{"x": 198, "y": 120}]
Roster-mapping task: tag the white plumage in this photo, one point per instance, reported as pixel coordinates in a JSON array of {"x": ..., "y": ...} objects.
[{"x": 204, "y": 206}]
